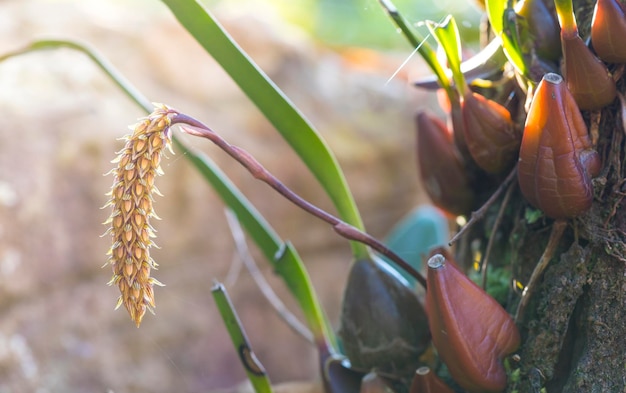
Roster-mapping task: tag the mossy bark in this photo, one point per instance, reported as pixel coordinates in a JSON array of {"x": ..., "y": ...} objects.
[{"x": 574, "y": 328}]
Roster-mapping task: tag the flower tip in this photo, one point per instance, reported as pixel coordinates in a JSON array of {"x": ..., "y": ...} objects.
[
  {"x": 426, "y": 381},
  {"x": 436, "y": 261}
]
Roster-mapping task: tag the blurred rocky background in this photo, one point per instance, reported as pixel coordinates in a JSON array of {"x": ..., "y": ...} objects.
[{"x": 60, "y": 118}]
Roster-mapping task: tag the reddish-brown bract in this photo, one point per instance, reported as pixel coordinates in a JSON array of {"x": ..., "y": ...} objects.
[
  {"x": 557, "y": 160},
  {"x": 489, "y": 133},
  {"x": 471, "y": 331},
  {"x": 608, "y": 29},
  {"x": 587, "y": 77},
  {"x": 442, "y": 171}
]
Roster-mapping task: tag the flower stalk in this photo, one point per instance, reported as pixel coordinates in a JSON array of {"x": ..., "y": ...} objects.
[{"x": 196, "y": 128}]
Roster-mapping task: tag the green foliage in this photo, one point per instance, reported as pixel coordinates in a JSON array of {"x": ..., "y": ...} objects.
[
  {"x": 254, "y": 370},
  {"x": 447, "y": 34},
  {"x": 499, "y": 17},
  {"x": 274, "y": 105}
]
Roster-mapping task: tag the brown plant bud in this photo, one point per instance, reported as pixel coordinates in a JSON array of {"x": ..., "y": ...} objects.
[
  {"x": 426, "y": 381},
  {"x": 490, "y": 134},
  {"x": 608, "y": 29},
  {"x": 557, "y": 160},
  {"x": 587, "y": 77},
  {"x": 131, "y": 200},
  {"x": 383, "y": 324},
  {"x": 471, "y": 331},
  {"x": 542, "y": 26},
  {"x": 443, "y": 173}
]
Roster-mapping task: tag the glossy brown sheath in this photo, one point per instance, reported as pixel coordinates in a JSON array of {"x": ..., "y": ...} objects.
[
  {"x": 490, "y": 134},
  {"x": 557, "y": 160},
  {"x": 608, "y": 29},
  {"x": 441, "y": 168},
  {"x": 471, "y": 331},
  {"x": 383, "y": 323},
  {"x": 542, "y": 26},
  {"x": 587, "y": 77}
]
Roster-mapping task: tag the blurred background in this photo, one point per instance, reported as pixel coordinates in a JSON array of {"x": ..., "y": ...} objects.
[{"x": 60, "y": 118}]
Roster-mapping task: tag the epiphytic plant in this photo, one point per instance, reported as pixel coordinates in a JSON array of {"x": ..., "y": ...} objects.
[{"x": 385, "y": 335}]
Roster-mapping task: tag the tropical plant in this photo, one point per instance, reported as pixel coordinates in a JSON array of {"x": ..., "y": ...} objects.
[{"x": 532, "y": 156}]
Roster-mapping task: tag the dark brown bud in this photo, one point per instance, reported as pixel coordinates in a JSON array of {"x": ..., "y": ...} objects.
[
  {"x": 490, "y": 133},
  {"x": 383, "y": 324},
  {"x": 542, "y": 26},
  {"x": 587, "y": 77},
  {"x": 443, "y": 173},
  {"x": 557, "y": 160},
  {"x": 471, "y": 331},
  {"x": 608, "y": 29}
]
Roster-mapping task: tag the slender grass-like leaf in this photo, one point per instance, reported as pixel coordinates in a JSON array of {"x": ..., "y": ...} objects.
[
  {"x": 497, "y": 10},
  {"x": 282, "y": 256},
  {"x": 447, "y": 34},
  {"x": 254, "y": 369},
  {"x": 419, "y": 43},
  {"x": 274, "y": 105},
  {"x": 48, "y": 44}
]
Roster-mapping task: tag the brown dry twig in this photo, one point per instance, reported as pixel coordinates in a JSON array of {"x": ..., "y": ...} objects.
[{"x": 480, "y": 213}]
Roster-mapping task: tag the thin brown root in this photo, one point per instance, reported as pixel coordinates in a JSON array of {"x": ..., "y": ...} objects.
[
  {"x": 480, "y": 213},
  {"x": 558, "y": 228},
  {"x": 496, "y": 225}
]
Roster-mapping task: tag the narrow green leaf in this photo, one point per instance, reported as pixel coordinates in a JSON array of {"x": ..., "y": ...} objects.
[
  {"x": 253, "y": 367},
  {"x": 565, "y": 13},
  {"x": 290, "y": 268},
  {"x": 419, "y": 44},
  {"x": 447, "y": 35},
  {"x": 274, "y": 105},
  {"x": 96, "y": 57},
  {"x": 500, "y": 17}
]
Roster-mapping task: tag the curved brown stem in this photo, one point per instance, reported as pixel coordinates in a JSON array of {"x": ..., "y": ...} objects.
[
  {"x": 194, "y": 127},
  {"x": 496, "y": 225},
  {"x": 480, "y": 213}
]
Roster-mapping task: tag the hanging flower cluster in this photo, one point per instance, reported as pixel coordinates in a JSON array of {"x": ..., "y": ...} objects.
[{"x": 131, "y": 197}]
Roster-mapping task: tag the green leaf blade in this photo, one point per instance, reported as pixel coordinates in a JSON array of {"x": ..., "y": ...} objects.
[
  {"x": 498, "y": 13},
  {"x": 254, "y": 369},
  {"x": 292, "y": 270},
  {"x": 274, "y": 105}
]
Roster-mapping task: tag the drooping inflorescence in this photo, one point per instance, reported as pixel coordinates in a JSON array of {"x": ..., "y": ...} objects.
[{"x": 131, "y": 197}]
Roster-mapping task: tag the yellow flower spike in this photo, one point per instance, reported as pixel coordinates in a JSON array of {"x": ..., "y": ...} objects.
[{"x": 138, "y": 163}]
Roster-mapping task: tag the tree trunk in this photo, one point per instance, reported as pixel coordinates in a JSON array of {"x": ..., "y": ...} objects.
[{"x": 574, "y": 327}]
